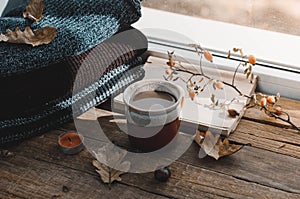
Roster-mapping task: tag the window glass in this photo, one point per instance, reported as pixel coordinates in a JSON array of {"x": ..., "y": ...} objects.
[{"x": 274, "y": 15}]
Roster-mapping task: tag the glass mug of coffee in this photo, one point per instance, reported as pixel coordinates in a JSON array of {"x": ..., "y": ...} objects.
[{"x": 152, "y": 109}]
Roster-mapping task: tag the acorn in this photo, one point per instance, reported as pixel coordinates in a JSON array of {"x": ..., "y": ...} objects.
[{"x": 162, "y": 174}]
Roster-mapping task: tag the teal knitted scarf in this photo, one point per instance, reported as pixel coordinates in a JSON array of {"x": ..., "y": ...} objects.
[
  {"x": 36, "y": 82},
  {"x": 81, "y": 25}
]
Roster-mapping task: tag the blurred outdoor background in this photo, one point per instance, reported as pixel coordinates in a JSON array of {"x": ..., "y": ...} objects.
[{"x": 275, "y": 15}]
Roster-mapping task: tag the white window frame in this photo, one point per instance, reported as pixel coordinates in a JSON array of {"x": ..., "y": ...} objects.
[
  {"x": 218, "y": 37},
  {"x": 278, "y": 68}
]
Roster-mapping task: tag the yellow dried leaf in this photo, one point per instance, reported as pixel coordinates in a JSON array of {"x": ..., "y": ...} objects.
[
  {"x": 34, "y": 10},
  {"x": 208, "y": 56},
  {"x": 225, "y": 148},
  {"x": 108, "y": 157},
  {"x": 34, "y": 38},
  {"x": 213, "y": 145}
]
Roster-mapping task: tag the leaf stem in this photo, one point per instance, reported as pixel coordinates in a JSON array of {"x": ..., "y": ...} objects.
[
  {"x": 235, "y": 72},
  {"x": 201, "y": 68}
]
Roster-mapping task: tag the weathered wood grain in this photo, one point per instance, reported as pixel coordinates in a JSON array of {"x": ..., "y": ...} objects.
[
  {"x": 192, "y": 180},
  {"x": 250, "y": 165},
  {"x": 267, "y": 168},
  {"x": 290, "y": 106},
  {"x": 82, "y": 163},
  {"x": 29, "y": 178},
  {"x": 253, "y": 165},
  {"x": 275, "y": 139},
  {"x": 268, "y": 137},
  {"x": 186, "y": 181}
]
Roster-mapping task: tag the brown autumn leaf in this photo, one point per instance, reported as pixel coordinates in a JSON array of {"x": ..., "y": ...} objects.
[
  {"x": 107, "y": 174},
  {"x": 112, "y": 158},
  {"x": 34, "y": 38},
  {"x": 34, "y": 10},
  {"x": 214, "y": 146}
]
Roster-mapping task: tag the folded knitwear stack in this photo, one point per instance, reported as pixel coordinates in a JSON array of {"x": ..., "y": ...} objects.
[{"x": 94, "y": 39}]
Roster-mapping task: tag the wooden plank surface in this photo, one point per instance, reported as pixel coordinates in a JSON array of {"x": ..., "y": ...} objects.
[
  {"x": 290, "y": 106},
  {"x": 266, "y": 167}
]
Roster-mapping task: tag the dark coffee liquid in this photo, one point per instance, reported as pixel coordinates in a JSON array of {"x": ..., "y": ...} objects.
[
  {"x": 148, "y": 99},
  {"x": 163, "y": 134}
]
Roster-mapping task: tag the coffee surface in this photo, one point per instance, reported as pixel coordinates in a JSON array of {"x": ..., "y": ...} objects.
[{"x": 154, "y": 100}]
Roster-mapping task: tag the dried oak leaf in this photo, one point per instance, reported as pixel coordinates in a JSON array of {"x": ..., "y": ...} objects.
[
  {"x": 34, "y": 38},
  {"x": 34, "y": 10},
  {"x": 110, "y": 156},
  {"x": 214, "y": 146},
  {"x": 3, "y": 38}
]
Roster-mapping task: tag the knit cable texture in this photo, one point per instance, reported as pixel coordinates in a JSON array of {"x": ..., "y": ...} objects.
[{"x": 81, "y": 25}]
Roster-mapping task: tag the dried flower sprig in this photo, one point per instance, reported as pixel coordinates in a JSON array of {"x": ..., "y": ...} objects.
[{"x": 195, "y": 84}]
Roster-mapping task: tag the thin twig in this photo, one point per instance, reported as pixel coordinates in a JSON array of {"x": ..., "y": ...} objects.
[
  {"x": 235, "y": 72},
  {"x": 199, "y": 50},
  {"x": 288, "y": 120},
  {"x": 109, "y": 184},
  {"x": 201, "y": 68},
  {"x": 209, "y": 78}
]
